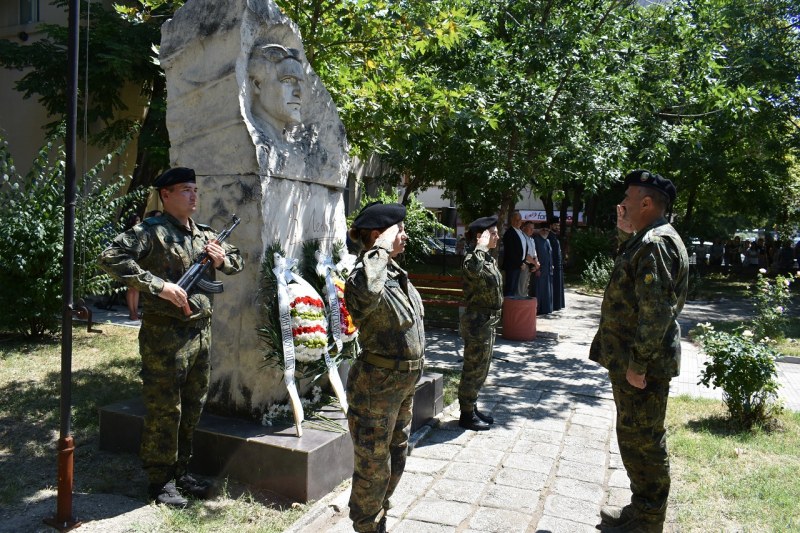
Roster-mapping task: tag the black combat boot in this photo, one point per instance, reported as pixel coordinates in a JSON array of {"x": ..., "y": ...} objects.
[
  {"x": 381, "y": 525},
  {"x": 616, "y": 516},
  {"x": 468, "y": 420},
  {"x": 190, "y": 486},
  {"x": 631, "y": 520},
  {"x": 489, "y": 419},
  {"x": 167, "y": 494}
]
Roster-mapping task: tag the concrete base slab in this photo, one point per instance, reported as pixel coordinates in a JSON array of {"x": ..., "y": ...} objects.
[{"x": 272, "y": 458}]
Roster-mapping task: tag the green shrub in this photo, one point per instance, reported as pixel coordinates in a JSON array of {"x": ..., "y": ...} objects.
[
  {"x": 32, "y": 239},
  {"x": 744, "y": 368},
  {"x": 597, "y": 273},
  {"x": 586, "y": 244},
  {"x": 419, "y": 224},
  {"x": 772, "y": 298}
]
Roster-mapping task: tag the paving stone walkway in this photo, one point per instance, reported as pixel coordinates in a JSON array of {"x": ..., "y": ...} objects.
[{"x": 551, "y": 459}]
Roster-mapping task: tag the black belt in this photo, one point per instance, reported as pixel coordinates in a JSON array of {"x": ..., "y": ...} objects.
[{"x": 401, "y": 365}]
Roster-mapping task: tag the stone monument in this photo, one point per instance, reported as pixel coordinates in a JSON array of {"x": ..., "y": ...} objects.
[{"x": 247, "y": 112}]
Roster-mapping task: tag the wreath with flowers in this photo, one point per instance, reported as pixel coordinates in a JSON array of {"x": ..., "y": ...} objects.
[
  {"x": 339, "y": 265},
  {"x": 309, "y": 325},
  {"x": 295, "y": 327}
]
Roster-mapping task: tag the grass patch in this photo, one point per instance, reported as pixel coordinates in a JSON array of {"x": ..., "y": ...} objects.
[
  {"x": 105, "y": 369},
  {"x": 725, "y": 480},
  {"x": 727, "y": 285}
]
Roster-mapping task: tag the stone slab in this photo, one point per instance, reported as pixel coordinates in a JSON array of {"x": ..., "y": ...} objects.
[{"x": 273, "y": 458}]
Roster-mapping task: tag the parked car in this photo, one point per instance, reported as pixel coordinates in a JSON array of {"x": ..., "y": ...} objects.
[{"x": 436, "y": 246}]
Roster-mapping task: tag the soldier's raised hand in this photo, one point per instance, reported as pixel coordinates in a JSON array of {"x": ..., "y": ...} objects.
[{"x": 483, "y": 240}]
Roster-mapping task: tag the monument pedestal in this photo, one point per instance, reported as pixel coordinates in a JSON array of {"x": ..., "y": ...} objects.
[{"x": 273, "y": 458}]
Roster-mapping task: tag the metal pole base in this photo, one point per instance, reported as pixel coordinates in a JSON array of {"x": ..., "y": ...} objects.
[{"x": 64, "y": 520}]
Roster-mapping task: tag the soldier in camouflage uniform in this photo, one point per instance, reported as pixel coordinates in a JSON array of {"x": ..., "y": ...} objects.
[
  {"x": 638, "y": 342},
  {"x": 380, "y": 386},
  {"x": 151, "y": 257},
  {"x": 483, "y": 292}
]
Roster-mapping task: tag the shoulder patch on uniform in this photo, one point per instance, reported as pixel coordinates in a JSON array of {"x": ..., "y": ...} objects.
[
  {"x": 651, "y": 237},
  {"x": 152, "y": 221},
  {"x": 648, "y": 278}
]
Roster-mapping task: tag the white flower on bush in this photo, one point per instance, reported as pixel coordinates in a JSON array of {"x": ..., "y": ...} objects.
[
  {"x": 747, "y": 333},
  {"x": 762, "y": 270}
]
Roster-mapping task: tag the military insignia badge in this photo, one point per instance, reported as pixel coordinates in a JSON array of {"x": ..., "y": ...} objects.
[{"x": 648, "y": 279}]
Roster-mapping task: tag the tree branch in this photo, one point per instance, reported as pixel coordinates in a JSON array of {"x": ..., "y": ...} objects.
[{"x": 571, "y": 67}]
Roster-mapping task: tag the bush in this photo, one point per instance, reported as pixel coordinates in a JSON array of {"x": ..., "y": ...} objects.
[
  {"x": 32, "y": 239},
  {"x": 597, "y": 273},
  {"x": 585, "y": 244},
  {"x": 744, "y": 368},
  {"x": 771, "y": 297},
  {"x": 419, "y": 224}
]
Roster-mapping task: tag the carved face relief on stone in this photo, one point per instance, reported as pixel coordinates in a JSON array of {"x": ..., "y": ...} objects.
[{"x": 277, "y": 80}]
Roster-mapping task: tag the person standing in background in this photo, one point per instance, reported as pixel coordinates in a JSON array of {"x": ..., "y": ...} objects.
[
  {"x": 484, "y": 300},
  {"x": 531, "y": 260},
  {"x": 544, "y": 280},
  {"x": 132, "y": 294},
  {"x": 514, "y": 254},
  {"x": 558, "y": 264}
]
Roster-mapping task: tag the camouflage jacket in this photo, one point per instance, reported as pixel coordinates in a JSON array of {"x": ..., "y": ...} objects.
[
  {"x": 160, "y": 249},
  {"x": 385, "y": 306},
  {"x": 483, "y": 283},
  {"x": 646, "y": 292}
]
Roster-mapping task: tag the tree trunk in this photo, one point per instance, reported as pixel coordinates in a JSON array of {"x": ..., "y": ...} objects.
[
  {"x": 151, "y": 160},
  {"x": 687, "y": 219},
  {"x": 547, "y": 200}
]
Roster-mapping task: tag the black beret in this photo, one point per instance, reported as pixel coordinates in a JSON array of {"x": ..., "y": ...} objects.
[
  {"x": 174, "y": 176},
  {"x": 377, "y": 215},
  {"x": 645, "y": 178},
  {"x": 482, "y": 224}
]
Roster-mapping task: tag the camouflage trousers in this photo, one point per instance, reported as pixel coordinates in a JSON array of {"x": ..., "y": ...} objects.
[
  {"x": 379, "y": 418},
  {"x": 478, "y": 331},
  {"x": 175, "y": 376},
  {"x": 642, "y": 441}
]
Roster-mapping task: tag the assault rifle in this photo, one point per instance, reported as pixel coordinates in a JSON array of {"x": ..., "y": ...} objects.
[{"x": 195, "y": 275}]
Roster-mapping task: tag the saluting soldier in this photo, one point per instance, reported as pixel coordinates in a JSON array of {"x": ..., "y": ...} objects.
[
  {"x": 151, "y": 257},
  {"x": 380, "y": 386},
  {"x": 483, "y": 293},
  {"x": 639, "y": 343}
]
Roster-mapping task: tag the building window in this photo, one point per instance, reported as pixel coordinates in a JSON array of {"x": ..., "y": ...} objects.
[{"x": 28, "y": 11}]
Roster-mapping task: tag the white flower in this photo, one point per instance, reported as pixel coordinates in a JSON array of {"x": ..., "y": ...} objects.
[
  {"x": 779, "y": 309},
  {"x": 747, "y": 333},
  {"x": 762, "y": 270}
]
